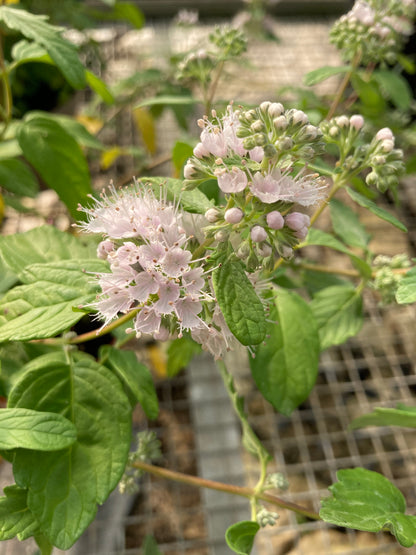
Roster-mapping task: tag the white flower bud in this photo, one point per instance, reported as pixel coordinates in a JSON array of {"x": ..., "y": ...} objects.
[
  {"x": 189, "y": 170},
  {"x": 333, "y": 131},
  {"x": 275, "y": 220},
  {"x": 385, "y": 134},
  {"x": 212, "y": 215},
  {"x": 221, "y": 235},
  {"x": 300, "y": 117},
  {"x": 357, "y": 121},
  {"x": 342, "y": 121},
  {"x": 276, "y": 109},
  {"x": 200, "y": 151},
  {"x": 258, "y": 234},
  {"x": 233, "y": 215},
  {"x": 264, "y": 106},
  {"x": 280, "y": 123},
  {"x": 387, "y": 145}
]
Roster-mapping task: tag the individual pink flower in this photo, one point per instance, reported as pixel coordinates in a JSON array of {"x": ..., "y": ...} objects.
[
  {"x": 277, "y": 186},
  {"x": 233, "y": 181}
]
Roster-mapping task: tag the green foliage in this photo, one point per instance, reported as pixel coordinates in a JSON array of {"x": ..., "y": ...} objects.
[
  {"x": 35, "y": 27},
  {"x": 192, "y": 201},
  {"x": 180, "y": 353},
  {"x": 18, "y": 178},
  {"x": 65, "y": 486},
  {"x": 180, "y": 154},
  {"x": 395, "y": 87},
  {"x": 372, "y": 207},
  {"x": 29, "y": 429},
  {"x": 134, "y": 375},
  {"x": 347, "y": 225},
  {"x": 318, "y": 75},
  {"x": 365, "y": 500},
  {"x": 44, "y": 305},
  {"x": 400, "y": 416},
  {"x": 240, "y": 536},
  {"x": 241, "y": 307},
  {"x": 150, "y": 546},
  {"x": 406, "y": 292},
  {"x": 15, "y": 517},
  {"x": 338, "y": 311},
  {"x": 285, "y": 367},
  {"x": 58, "y": 158}
]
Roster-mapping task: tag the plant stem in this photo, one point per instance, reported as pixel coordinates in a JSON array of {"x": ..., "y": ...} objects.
[
  {"x": 343, "y": 86},
  {"x": 338, "y": 183},
  {"x": 45, "y": 547},
  {"x": 7, "y": 91},
  {"x": 211, "y": 93},
  {"x": 246, "y": 492}
]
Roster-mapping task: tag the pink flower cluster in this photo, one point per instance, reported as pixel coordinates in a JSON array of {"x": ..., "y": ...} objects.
[{"x": 155, "y": 273}]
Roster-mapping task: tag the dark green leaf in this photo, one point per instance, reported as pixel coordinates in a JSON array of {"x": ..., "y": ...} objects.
[
  {"x": 368, "y": 93},
  {"x": 62, "y": 52},
  {"x": 395, "y": 87},
  {"x": 286, "y": 365},
  {"x": 29, "y": 429},
  {"x": 191, "y": 201},
  {"x": 135, "y": 376},
  {"x": 18, "y": 178},
  {"x": 403, "y": 416},
  {"x": 339, "y": 313},
  {"x": 372, "y": 206},
  {"x": 365, "y": 500},
  {"x": 65, "y": 486},
  {"x": 42, "y": 244},
  {"x": 15, "y": 517},
  {"x": 240, "y": 536},
  {"x": 406, "y": 292},
  {"x": 43, "y": 307},
  {"x": 127, "y": 11},
  {"x": 241, "y": 307},
  {"x": 180, "y": 353},
  {"x": 347, "y": 225},
  {"x": 321, "y": 74},
  {"x": 58, "y": 158}
]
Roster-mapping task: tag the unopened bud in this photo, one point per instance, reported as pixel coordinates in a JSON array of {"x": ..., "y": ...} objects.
[
  {"x": 275, "y": 109},
  {"x": 297, "y": 221},
  {"x": 280, "y": 123},
  {"x": 300, "y": 117},
  {"x": 233, "y": 215},
  {"x": 387, "y": 145},
  {"x": 221, "y": 235},
  {"x": 385, "y": 134},
  {"x": 258, "y": 234},
  {"x": 257, "y": 126},
  {"x": 275, "y": 220},
  {"x": 212, "y": 215},
  {"x": 357, "y": 121},
  {"x": 200, "y": 151},
  {"x": 189, "y": 170},
  {"x": 264, "y": 106},
  {"x": 342, "y": 121}
]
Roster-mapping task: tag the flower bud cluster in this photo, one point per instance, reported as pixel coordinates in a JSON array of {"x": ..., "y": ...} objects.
[
  {"x": 385, "y": 161},
  {"x": 265, "y": 517},
  {"x": 386, "y": 280},
  {"x": 374, "y": 29},
  {"x": 283, "y": 134},
  {"x": 196, "y": 67},
  {"x": 230, "y": 42},
  {"x": 148, "y": 451}
]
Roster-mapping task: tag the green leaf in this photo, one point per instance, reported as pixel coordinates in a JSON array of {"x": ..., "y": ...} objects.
[
  {"x": 395, "y": 87},
  {"x": 65, "y": 486},
  {"x": 191, "y": 201},
  {"x": 135, "y": 376},
  {"x": 43, "y": 244},
  {"x": 43, "y": 307},
  {"x": 372, "y": 206},
  {"x": 99, "y": 87},
  {"x": 29, "y": 429},
  {"x": 403, "y": 416},
  {"x": 10, "y": 149},
  {"x": 319, "y": 237},
  {"x": 286, "y": 365},
  {"x": 18, "y": 178},
  {"x": 180, "y": 353},
  {"x": 62, "y": 52},
  {"x": 15, "y": 517},
  {"x": 240, "y": 536},
  {"x": 406, "y": 292},
  {"x": 338, "y": 311},
  {"x": 180, "y": 154},
  {"x": 168, "y": 101},
  {"x": 7, "y": 278},
  {"x": 25, "y": 51},
  {"x": 365, "y": 500},
  {"x": 150, "y": 546},
  {"x": 58, "y": 158},
  {"x": 321, "y": 74},
  {"x": 129, "y": 12},
  {"x": 368, "y": 93},
  {"x": 347, "y": 225},
  {"x": 241, "y": 307}
]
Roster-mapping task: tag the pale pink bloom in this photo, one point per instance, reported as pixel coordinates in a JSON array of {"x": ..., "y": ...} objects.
[
  {"x": 363, "y": 12},
  {"x": 104, "y": 248},
  {"x": 200, "y": 151},
  {"x": 187, "y": 310},
  {"x": 214, "y": 141},
  {"x": 175, "y": 262},
  {"x": 215, "y": 338},
  {"x": 277, "y": 186},
  {"x": 233, "y": 181},
  {"x": 233, "y": 215},
  {"x": 256, "y": 154},
  {"x": 168, "y": 294},
  {"x": 151, "y": 254},
  {"x": 192, "y": 280},
  {"x": 147, "y": 321},
  {"x": 146, "y": 284},
  {"x": 109, "y": 306}
]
